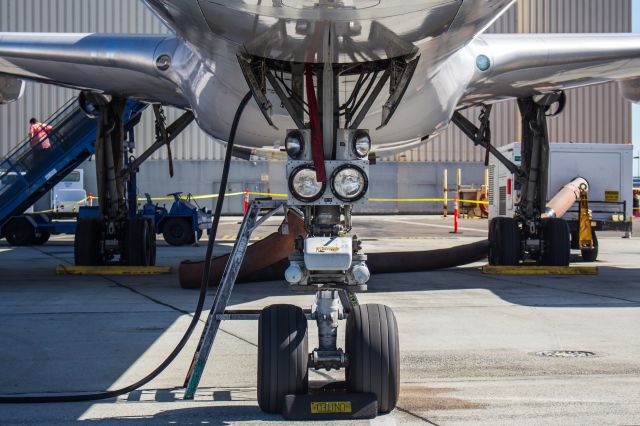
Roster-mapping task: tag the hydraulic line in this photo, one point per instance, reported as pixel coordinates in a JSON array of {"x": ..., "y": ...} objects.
[{"x": 196, "y": 317}]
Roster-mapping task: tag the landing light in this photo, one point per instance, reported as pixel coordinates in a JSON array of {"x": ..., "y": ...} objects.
[
  {"x": 304, "y": 186},
  {"x": 361, "y": 143},
  {"x": 294, "y": 144},
  {"x": 349, "y": 183}
]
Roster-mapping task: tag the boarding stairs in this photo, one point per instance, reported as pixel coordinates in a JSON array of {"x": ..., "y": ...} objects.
[{"x": 28, "y": 172}]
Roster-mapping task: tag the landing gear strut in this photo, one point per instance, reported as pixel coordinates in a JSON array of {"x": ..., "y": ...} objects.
[
  {"x": 534, "y": 233},
  {"x": 114, "y": 231}
]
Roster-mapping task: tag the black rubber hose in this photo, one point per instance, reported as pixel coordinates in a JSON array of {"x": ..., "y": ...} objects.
[{"x": 196, "y": 317}]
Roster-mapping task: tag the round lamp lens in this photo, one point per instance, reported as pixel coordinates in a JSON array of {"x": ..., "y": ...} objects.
[
  {"x": 349, "y": 183},
  {"x": 304, "y": 185},
  {"x": 362, "y": 144}
]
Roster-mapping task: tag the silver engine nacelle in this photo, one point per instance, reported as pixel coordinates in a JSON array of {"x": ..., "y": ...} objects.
[
  {"x": 91, "y": 102},
  {"x": 630, "y": 90},
  {"x": 11, "y": 89}
]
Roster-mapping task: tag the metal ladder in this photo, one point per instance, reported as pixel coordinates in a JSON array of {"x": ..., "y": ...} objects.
[{"x": 218, "y": 311}]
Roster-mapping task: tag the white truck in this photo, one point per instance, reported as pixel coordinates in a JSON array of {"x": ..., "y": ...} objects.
[{"x": 69, "y": 195}]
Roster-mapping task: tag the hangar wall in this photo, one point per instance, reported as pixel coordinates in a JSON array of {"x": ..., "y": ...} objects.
[{"x": 595, "y": 114}]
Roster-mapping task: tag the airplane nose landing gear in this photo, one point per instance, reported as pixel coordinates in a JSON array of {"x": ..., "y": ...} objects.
[{"x": 328, "y": 174}]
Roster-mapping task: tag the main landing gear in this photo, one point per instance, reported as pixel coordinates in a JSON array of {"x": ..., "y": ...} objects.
[
  {"x": 534, "y": 233},
  {"x": 114, "y": 231}
]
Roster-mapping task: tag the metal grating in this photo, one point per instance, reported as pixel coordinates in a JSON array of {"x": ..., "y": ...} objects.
[
  {"x": 502, "y": 208},
  {"x": 492, "y": 180}
]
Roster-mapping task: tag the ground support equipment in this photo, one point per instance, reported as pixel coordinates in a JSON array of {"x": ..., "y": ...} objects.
[
  {"x": 29, "y": 171},
  {"x": 184, "y": 223}
]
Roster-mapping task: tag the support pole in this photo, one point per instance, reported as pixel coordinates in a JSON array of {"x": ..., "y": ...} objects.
[
  {"x": 445, "y": 197},
  {"x": 246, "y": 199},
  {"x": 456, "y": 212}
]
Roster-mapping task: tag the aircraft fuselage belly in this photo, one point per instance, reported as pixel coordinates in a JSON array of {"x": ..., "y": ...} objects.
[{"x": 439, "y": 31}]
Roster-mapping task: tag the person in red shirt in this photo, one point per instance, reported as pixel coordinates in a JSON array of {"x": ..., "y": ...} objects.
[
  {"x": 40, "y": 142},
  {"x": 39, "y": 134}
]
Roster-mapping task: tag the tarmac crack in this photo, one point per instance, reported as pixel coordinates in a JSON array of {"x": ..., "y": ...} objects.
[{"x": 417, "y": 416}]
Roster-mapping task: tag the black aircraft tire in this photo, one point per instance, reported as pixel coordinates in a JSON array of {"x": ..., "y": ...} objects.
[
  {"x": 177, "y": 232},
  {"x": 42, "y": 239},
  {"x": 19, "y": 232},
  {"x": 141, "y": 245},
  {"x": 505, "y": 242},
  {"x": 591, "y": 255},
  {"x": 283, "y": 356},
  {"x": 373, "y": 349},
  {"x": 492, "y": 238},
  {"x": 557, "y": 242},
  {"x": 86, "y": 245}
]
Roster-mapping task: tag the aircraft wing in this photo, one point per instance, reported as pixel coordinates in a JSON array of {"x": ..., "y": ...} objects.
[
  {"x": 123, "y": 65},
  {"x": 523, "y": 65}
]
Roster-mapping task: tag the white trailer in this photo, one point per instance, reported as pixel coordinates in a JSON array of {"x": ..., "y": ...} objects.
[
  {"x": 69, "y": 195},
  {"x": 608, "y": 169}
]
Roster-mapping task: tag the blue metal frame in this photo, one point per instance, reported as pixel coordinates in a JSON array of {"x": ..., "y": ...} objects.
[{"x": 36, "y": 170}]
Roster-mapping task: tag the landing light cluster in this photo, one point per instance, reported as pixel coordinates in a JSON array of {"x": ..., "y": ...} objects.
[{"x": 349, "y": 182}]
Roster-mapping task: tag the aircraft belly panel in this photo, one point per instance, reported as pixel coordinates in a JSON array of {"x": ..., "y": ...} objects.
[{"x": 296, "y": 31}]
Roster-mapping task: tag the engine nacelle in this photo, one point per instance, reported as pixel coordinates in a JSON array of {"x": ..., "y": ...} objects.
[
  {"x": 630, "y": 90},
  {"x": 91, "y": 102},
  {"x": 11, "y": 89}
]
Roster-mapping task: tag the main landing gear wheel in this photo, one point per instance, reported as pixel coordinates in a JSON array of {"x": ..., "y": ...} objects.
[
  {"x": 374, "y": 354},
  {"x": 556, "y": 238},
  {"x": 86, "y": 246},
  {"x": 283, "y": 356},
  {"x": 505, "y": 242},
  {"x": 177, "y": 232},
  {"x": 141, "y": 243},
  {"x": 19, "y": 232}
]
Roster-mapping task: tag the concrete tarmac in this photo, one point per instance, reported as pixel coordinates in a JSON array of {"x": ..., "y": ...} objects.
[{"x": 475, "y": 349}]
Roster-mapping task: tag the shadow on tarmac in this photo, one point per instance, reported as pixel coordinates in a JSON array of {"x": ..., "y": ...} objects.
[{"x": 196, "y": 416}]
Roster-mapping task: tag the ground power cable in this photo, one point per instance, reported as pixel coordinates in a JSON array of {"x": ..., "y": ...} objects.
[{"x": 27, "y": 399}]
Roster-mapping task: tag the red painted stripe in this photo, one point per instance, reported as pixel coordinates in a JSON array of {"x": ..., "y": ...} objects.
[{"x": 317, "y": 146}]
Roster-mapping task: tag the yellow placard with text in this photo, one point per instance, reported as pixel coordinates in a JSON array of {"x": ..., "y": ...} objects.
[{"x": 331, "y": 407}]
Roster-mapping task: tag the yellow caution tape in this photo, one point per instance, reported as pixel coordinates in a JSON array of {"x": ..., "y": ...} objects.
[
  {"x": 268, "y": 194},
  {"x": 424, "y": 200}
]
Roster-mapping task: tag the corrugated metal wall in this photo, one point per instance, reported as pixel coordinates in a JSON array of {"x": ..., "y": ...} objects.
[{"x": 595, "y": 114}]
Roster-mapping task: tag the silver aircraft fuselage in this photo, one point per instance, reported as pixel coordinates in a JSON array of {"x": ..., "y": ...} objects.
[
  {"x": 197, "y": 67},
  {"x": 211, "y": 33}
]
